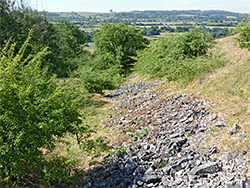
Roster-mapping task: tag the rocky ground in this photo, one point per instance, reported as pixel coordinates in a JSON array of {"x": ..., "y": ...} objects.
[{"x": 163, "y": 143}]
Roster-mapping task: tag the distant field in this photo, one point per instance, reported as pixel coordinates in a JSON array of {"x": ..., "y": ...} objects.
[
  {"x": 89, "y": 29},
  {"x": 154, "y": 37},
  {"x": 91, "y": 47},
  {"x": 187, "y": 15},
  {"x": 179, "y": 21},
  {"x": 231, "y": 17}
]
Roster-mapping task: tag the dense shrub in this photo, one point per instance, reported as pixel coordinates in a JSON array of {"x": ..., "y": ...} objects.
[
  {"x": 177, "y": 56},
  {"x": 244, "y": 33},
  {"x": 186, "y": 70},
  {"x": 34, "y": 112},
  {"x": 99, "y": 72}
]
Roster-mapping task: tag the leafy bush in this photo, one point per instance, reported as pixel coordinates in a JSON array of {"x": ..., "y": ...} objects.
[
  {"x": 186, "y": 70},
  {"x": 99, "y": 72},
  {"x": 244, "y": 33},
  {"x": 34, "y": 112},
  {"x": 195, "y": 43},
  {"x": 177, "y": 56}
]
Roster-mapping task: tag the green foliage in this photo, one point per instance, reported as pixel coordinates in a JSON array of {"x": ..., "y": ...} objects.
[
  {"x": 118, "y": 151},
  {"x": 244, "y": 33},
  {"x": 178, "y": 57},
  {"x": 194, "y": 43},
  {"x": 56, "y": 171},
  {"x": 186, "y": 70},
  {"x": 99, "y": 72},
  {"x": 96, "y": 145},
  {"x": 64, "y": 40},
  {"x": 16, "y": 21},
  {"x": 66, "y": 47},
  {"x": 121, "y": 41},
  {"x": 153, "y": 30},
  {"x": 137, "y": 134},
  {"x": 34, "y": 111}
]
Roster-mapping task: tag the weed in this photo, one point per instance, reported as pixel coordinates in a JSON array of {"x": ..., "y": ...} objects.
[
  {"x": 161, "y": 164},
  {"x": 212, "y": 131},
  {"x": 118, "y": 151},
  {"x": 97, "y": 145}
]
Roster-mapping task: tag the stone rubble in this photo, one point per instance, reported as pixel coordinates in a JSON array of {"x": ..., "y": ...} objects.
[
  {"x": 129, "y": 90},
  {"x": 166, "y": 147}
]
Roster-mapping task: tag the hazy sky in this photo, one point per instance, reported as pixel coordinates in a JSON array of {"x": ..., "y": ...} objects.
[{"x": 242, "y": 6}]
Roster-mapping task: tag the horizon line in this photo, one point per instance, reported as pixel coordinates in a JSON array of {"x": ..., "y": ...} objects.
[{"x": 150, "y": 10}]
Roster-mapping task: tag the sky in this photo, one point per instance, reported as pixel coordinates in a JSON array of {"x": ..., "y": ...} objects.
[{"x": 240, "y": 6}]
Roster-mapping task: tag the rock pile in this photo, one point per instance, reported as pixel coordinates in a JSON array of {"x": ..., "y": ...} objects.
[
  {"x": 129, "y": 90},
  {"x": 165, "y": 140}
]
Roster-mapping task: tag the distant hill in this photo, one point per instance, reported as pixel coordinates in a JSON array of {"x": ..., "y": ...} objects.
[{"x": 150, "y": 16}]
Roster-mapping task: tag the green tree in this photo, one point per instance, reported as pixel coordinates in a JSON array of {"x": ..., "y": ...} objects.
[
  {"x": 17, "y": 20},
  {"x": 67, "y": 44},
  {"x": 120, "y": 40},
  {"x": 34, "y": 113},
  {"x": 64, "y": 40},
  {"x": 244, "y": 33}
]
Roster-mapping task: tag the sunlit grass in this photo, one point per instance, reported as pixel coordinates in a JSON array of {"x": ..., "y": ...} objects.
[{"x": 230, "y": 88}]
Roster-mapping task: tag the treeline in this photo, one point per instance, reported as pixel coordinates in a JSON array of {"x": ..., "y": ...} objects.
[
  {"x": 180, "y": 15},
  {"x": 216, "y": 32}
]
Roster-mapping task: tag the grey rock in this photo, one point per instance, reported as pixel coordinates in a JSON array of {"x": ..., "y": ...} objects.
[
  {"x": 130, "y": 167},
  {"x": 243, "y": 135},
  {"x": 236, "y": 184},
  {"x": 150, "y": 185},
  {"x": 220, "y": 123},
  {"x": 209, "y": 167},
  {"x": 140, "y": 183},
  {"x": 151, "y": 178},
  {"x": 146, "y": 156},
  {"x": 126, "y": 121},
  {"x": 165, "y": 180},
  {"x": 240, "y": 161},
  {"x": 234, "y": 129},
  {"x": 134, "y": 186},
  {"x": 167, "y": 169},
  {"x": 223, "y": 157},
  {"x": 164, "y": 156},
  {"x": 176, "y": 165}
]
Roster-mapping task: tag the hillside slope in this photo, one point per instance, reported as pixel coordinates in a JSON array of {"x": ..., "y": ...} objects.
[{"x": 230, "y": 88}]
